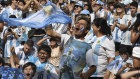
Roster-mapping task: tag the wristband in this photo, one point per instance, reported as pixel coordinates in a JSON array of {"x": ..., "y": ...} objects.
[{"x": 45, "y": 36}]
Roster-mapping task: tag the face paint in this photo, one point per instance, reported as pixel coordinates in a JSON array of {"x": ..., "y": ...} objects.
[{"x": 82, "y": 29}]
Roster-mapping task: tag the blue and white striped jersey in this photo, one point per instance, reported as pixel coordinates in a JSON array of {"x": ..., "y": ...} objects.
[
  {"x": 11, "y": 41},
  {"x": 44, "y": 70},
  {"x": 24, "y": 57},
  {"x": 102, "y": 49},
  {"x": 126, "y": 37}
]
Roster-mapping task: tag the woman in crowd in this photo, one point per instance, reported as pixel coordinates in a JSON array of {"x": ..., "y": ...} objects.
[
  {"x": 135, "y": 39},
  {"x": 115, "y": 28},
  {"x": 103, "y": 48}
]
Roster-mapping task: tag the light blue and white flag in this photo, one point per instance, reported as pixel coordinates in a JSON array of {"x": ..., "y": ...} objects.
[
  {"x": 115, "y": 66},
  {"x": 46, "y": 16}
]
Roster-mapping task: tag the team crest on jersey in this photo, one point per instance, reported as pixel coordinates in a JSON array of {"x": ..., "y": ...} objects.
[{"x": 98, "y": 42}]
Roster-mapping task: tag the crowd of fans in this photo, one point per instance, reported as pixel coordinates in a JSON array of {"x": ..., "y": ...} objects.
[{"x": 102, "y": 42}]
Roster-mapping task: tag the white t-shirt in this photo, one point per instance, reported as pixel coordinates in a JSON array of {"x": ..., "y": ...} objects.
[{"x": 16, "y": 12}]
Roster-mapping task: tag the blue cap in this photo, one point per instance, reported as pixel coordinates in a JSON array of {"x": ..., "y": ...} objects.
[
  {"x": 127, "y": 2},
  {"x": 99, "y": 2},
  {"x": 80, "y": 3},
  {"x": 73, "y": 0},
  {"x": 85, "y": 12}
]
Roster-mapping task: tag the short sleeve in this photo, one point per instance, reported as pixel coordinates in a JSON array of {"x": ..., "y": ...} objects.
[
  {"x": 90, "y": 58},
  {"x": 109, "y": 48}
]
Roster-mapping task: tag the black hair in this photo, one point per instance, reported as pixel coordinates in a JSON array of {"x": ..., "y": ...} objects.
[
  {"x": 5, "y": 3},
  {"x": 105, "y": 29},
  {"x": 53, "y": 39},
  {"x": 46, "y": 48},
  {"x": 22, "y": 42},
  {"x": 134, "y": 3},
  {"x": 137, "y": 23},
  {"x": 22, "y": 1},
  {"x": 12, "y": 16},
  {"x": 2, "y": 61},
  {"x": 123, "y": 50},
  {"x": 84, "y": 17},
  {"x": 89, "y": 6},
  {"x": 30, "y": 42},
  {"x": 32, "y": 65}
]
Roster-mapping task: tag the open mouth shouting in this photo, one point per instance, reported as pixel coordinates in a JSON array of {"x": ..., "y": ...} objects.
[
  {"x": 42, "y": 59},
  {"x": 28, "y": 75},
  {"x": 77, "y": 29}
]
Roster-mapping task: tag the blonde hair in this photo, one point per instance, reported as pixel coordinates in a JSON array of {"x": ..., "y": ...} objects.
[{"x": 122, "y": 13}]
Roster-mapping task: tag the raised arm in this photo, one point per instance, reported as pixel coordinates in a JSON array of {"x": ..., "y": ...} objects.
[
  {"x": 13, "y": 58},
  {"x": 39, "y": 43},
  {"x": 50, "y": 32},
  {"x": 36, "y": 2},
  {"x": 26, "y": 5}
]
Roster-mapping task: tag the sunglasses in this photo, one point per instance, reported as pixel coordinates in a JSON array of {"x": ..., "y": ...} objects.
[{"x": 86, "y": 5}]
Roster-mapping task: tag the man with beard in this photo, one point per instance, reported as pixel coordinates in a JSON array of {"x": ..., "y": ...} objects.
[
  {"x": 76, "y": 53},
  {"x": 20, "y": 55}
]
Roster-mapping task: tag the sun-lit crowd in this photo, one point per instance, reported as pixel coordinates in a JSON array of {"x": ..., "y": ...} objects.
[{"x": 101, "y": 42}]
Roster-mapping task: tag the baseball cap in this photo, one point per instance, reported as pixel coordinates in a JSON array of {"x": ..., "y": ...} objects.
[
  {"x": 80, "y": 3},
  {"x": 85, "y": 12},
  {"x": 120, "y": 5},
  {"x": 99, "y": 2}
]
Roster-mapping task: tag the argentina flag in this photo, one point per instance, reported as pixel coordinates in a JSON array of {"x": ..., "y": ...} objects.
[
  {"x": 115, "y": 66},
  {"x": 49, "y": 14}
]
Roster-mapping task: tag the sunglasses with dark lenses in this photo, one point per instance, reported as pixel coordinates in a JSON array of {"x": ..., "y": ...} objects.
[{"x": 86, "y": 5}]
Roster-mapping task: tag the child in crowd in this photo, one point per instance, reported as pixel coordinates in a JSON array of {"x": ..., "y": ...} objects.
[
  {"x": 56, "y": 50},
  {"x": 45, "y": 70},
  {"x": 122, "y": 63},
  {"x": 29, "y": 70},
  {"x": 127, "y": 63}
]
